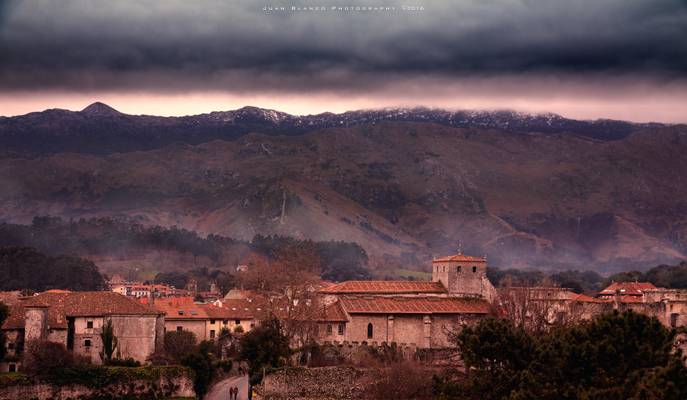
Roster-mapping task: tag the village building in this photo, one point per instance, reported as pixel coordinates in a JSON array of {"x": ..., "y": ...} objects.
[
  {"x": 141, "y": 289},
  {"x": 408, "y": 313},
  {"x": 205, "y": 321},
  {"x": 553, "y": 305},
  {"x": 75, "y": 319},
  {"x": 629, "y": 292}
]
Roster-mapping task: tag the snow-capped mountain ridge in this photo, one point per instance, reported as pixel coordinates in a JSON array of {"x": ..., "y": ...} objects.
[{"x": 101, "y": 129}]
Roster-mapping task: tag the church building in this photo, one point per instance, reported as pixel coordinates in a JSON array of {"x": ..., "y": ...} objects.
[{"x": 408, "y": 313}]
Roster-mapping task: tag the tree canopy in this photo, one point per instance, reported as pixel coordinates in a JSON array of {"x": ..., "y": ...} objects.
[
  {"x": 265, "y": 347},
  {"x": 668, "y": 276},
  {"x": 27, "y": 268},
  {"x": 615, "y": 356}
]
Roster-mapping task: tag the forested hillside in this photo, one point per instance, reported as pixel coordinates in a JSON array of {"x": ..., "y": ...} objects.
[{"x": 102, "y": 239}]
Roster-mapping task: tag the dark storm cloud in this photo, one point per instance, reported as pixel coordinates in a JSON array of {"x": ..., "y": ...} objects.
[{"x": 182, "y": 45}]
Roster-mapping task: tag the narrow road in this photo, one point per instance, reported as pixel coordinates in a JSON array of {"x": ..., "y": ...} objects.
[{"x": 220, "y": 391}]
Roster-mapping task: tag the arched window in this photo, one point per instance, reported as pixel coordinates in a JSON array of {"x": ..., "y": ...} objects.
[
  {"x": 370, "y": 331},
  {"x": 474, "y": 269},
  {"x": 458, "y": 268}
]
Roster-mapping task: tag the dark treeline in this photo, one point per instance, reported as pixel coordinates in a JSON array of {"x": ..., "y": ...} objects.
[
  {"x": 203, "y": 277},
  {"x": 123, "y": 237},
  {"x": 577, "y": 281},
  {"x": 339, "y": 261},
  {"x": 25, "y": 268},
  {"x": 54, "y": 235},
  {"x": 667, "y": 276},
  {"x": 613, "y": 357}
]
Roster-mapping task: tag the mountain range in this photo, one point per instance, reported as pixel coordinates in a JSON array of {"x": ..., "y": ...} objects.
[
  {"x": 407, "y": 184},
  {"x": 100, "y": 129}
]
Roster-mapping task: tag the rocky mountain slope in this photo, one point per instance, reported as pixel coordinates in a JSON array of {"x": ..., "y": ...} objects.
[
  {"x": 100, "y": 129},
  {"x": 404, "y": 190}
]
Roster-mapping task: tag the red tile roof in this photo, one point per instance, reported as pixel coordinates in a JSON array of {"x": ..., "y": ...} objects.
[
  {"x": 586, "y": 299},
  {"x": 234, "y": 309},
  {"x": 76, "y": 304},
  {"x": 414, "y": 305},
  {"x": 10, "y": 298},
  {"x": 460, "y": 257},
  {"x": 627, "y": 288},
  {"x": 184, "y": 308},
  {"x": 331, "y": 313},
  {"x": 630, "y": 299},
  {"x": 384, "y": 287}
]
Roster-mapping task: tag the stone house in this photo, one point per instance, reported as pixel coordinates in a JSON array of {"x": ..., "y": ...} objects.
[
  {"x": 205, "y": 320},
  {"x": 556, "y": 305},
  {"x": 408, "y": 313},
  {"x": 628, "y": 291},
  {"x": 75, "y": 319}
]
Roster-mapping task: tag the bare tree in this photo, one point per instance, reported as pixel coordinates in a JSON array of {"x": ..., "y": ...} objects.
[
  {"x": 288, "y": 285},
  {"x": 534, "y": 308}
]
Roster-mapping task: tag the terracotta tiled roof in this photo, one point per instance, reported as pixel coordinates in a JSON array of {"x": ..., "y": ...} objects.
[
  {"x": 10, "y": 298},
  {"x": 185, "y": 309},
  {"x": 461, "y": 258},
  {"x": 16, "y": 318},
  {"x": 586, "y": 299},
  {"x": 627, "y": 288},
  {"x": 384, "y": 287},
  {"x": 331, "y": 313},
  {"x": 76, "y": 304},
  {"x": 414, "y": 305},
  {"x": 630, "y": 299},
  {"x": 240, "y": 294},
  {"x": 234, "y": 309}
]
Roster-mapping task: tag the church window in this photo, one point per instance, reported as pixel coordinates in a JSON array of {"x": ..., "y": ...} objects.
[
  {"x": 458, "y": 268},
  {"x": 474, "y": 269},
  {"x": 329, "y": 329},
  {"x": 370, "y": 331},
  {"x": 87, "y": 342}
]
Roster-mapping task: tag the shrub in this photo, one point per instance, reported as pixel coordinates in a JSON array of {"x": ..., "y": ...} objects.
[
  {"x": 44, "y": 358},
  {"x": 225, "y": 365},
  {"x": 401, "y": 381},
  {"x": 179, "y": 345},
  {"x": 201, "y": 365},
  {"x": 265, "y": 346},
  {"x": 160, "y": 358},
  {"x": 127, "y": 362}
]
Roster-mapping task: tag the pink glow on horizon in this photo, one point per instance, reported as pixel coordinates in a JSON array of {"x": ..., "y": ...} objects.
[{"x": 669, "y": 107}]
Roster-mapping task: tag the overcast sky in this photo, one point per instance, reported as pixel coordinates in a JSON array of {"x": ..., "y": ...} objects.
[{"x": 623, "y": 59}]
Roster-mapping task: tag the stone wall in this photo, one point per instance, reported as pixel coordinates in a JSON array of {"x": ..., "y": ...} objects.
[
  {"x": 197, "y": 326},
  {"x": 136, "y": 336},
  {"x": 169, "y": 384},
  {"x": 340, "y": 383}
]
